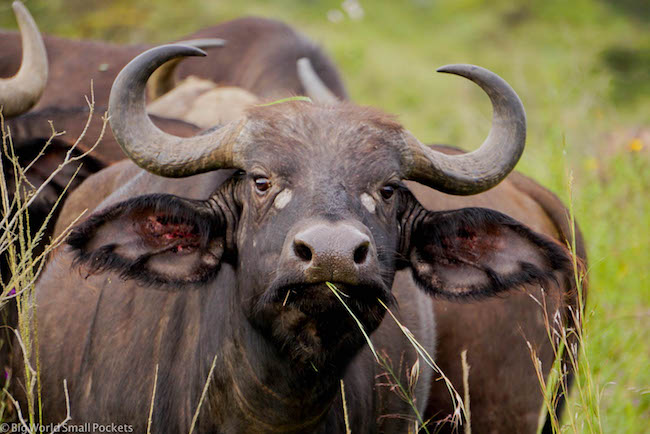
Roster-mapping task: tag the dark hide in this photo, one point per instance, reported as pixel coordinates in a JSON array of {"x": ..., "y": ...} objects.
[
  {"x": 72, "y": 120},
  {"x": 132, "y": 301},
  {"x": 42, "y": 212},
  {"x": 260, "y": 56},
  {"x": 29, "y": 134},
  {"x": 570, "y": 234}
]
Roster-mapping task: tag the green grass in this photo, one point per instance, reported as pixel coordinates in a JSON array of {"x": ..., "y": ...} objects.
[{"x": 582, "y": 70}]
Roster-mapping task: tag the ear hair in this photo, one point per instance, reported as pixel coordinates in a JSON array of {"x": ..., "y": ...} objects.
[
  {"x": 477, "y": 253},
  {"x": 196, "y": 214}
]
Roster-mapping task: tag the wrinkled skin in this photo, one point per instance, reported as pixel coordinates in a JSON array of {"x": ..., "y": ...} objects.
[
  {"x": 198, "y": 268},
  {"x": 260, "y": 56}
]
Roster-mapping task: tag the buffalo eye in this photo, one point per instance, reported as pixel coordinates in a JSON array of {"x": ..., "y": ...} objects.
[
  {"x": 262, "y": 184},
  {"x": 387, "y": 191}
]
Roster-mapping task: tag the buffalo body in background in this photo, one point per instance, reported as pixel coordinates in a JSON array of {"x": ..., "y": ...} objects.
[{"x": 259, "y": 56}]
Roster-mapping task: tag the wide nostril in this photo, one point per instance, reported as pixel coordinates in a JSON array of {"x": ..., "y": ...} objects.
[
  {"x": 361, "y": 253},
  {"x": 302, "y": 251}
]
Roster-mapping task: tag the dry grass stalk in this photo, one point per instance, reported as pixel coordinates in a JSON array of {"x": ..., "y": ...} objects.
[{"x": 17, "y": 246}]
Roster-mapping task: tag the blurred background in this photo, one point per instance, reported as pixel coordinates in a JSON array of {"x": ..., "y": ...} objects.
[{"x": 582, "y": 69}]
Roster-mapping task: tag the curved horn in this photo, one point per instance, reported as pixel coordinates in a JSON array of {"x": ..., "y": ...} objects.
[
  {"x": 313, "y": 85},
  {"x": 20, "y": 92},
  {"x": 163, "y": 80},
  {"x": 152, "y": 149},
  {"x": 485, "y": 167}
]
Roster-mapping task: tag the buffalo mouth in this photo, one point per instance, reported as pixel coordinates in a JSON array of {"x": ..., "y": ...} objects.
[
  {"x": 310, "y": 324},
  {"x": 320, "y": 297}
]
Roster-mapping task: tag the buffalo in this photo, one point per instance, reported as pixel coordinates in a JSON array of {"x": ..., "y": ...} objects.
[
  {"x": 251, "y": 257},
  {"x": 259, "y": 56}
]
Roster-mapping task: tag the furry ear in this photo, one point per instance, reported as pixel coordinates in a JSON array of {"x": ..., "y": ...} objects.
[
  {"x": 477, "y": 252},
  {"x": 157, "y": 239}
]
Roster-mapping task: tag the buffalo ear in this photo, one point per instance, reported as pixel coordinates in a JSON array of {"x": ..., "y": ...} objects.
[
  {"x": 477, "y": 252},
  {"x": 156, "y": 239}
]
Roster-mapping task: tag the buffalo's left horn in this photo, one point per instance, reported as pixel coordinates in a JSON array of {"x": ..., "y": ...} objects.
[
  {"x": 163, "y": 80},
  {"x": 313, "y": 85},
  {"x": 485, "y": 167},
  {"x": 20, "y": 92},
  {"x": 152, "y": 149}
]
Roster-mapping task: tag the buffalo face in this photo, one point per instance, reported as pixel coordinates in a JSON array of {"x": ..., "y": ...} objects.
[{"x": 313, "y": 214}]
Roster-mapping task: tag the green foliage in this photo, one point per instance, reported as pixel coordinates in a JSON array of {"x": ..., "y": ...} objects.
[{"x": 581, "y": 69}]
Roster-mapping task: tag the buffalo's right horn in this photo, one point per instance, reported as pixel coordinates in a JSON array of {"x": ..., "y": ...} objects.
[
  {"x": 163, "y": 80},
  {"x": 20, "y": 92},
  {"x": 313, "y": 85},
  {"x": 152, "y": 149}
]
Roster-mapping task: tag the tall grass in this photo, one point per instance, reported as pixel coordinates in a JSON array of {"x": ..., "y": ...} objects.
[
  {"x": 571, "y": 376},
  {"x": 406, "y": 392},
  {"x": 25, "y": 255}
]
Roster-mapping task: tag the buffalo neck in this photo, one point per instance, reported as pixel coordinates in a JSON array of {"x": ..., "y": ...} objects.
[{"x": 262, "y": 389}]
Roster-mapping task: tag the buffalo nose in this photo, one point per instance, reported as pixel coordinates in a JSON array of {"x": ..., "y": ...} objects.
[{"x": 332, "y": 252}]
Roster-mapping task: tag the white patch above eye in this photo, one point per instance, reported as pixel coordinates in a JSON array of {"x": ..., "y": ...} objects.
[
  {"x": 368, "y": 202},
  {"x": 282, "y": 199}
]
